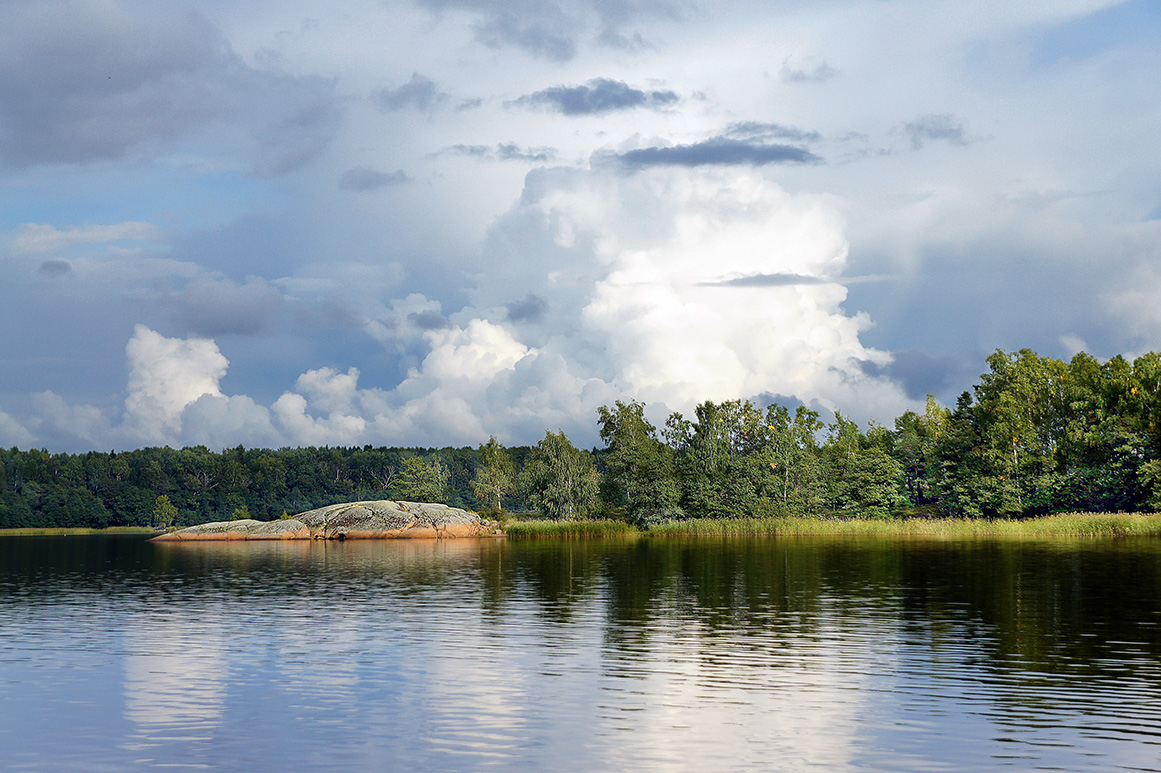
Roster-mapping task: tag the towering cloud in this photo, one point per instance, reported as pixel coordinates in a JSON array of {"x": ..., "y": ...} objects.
[
  {"x": 670, "y": 286},
  {"x": 165, "y": 376},
  {"x": 650, "y": 270}
]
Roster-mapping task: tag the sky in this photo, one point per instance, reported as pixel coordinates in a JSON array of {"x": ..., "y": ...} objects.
[{"x": 427, "y": 222}]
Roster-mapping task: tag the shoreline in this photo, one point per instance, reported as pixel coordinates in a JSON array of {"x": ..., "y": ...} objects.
[
  {"x": 1070, "y": 525},
  {"x": 79, "y": 531},
  {"x": 1065, "y": 525}
]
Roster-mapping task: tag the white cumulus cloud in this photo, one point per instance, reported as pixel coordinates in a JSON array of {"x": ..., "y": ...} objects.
[
  {"x": 13, "y": 433},
  {"x": 731, "y": 287},
  {"x": 166, "y": 375},
  {"x": 678, "y": 286}
]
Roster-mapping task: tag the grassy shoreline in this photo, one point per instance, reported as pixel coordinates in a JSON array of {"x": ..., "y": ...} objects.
[
  {"x": 1062, "y": 525},
  {"x": 61, "y": 531}
]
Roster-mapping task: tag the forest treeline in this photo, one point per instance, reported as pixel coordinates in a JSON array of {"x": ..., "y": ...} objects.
[{"x": 1036, "y": 435}]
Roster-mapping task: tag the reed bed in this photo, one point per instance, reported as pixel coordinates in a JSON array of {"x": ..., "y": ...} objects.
[
  {"x": 569, "y": 529},
  {"x": 60, "y": 531},
  {"x": 1062, "y": 525}
]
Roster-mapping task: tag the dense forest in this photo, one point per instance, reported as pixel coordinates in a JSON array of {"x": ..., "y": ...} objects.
[{"x": 1035, "y": 436}]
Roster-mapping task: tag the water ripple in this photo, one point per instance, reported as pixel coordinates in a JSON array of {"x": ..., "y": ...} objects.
[{"x": 781, "y": 655}]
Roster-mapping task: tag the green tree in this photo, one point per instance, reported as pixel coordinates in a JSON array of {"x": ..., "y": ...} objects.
[
  {"x": 913, "y": 445},
  {"x": 495, "y": 477},
  {"x": 423, "y": 479},
  {"x": 559, "y": 479},
  {"x": 862, "y": 477},
  {"x": 164, "y": 512},
  {"x": 639, "y": 467},
  {"x": 792, "y": 454},
  {"x": 843, "y": 441},
  {"x": 872, "y": 483},
  {"x": 718, "y": 472},
  {"x": 1023, "y": 407}
]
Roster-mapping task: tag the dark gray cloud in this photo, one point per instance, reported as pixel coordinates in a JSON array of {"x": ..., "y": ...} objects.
[
  {"x": 766, "y": 399},
  {"x": 767, "y": 280},
  {"x": 530, "y": 309},
  {"x": 505, "y": 151},
  {"x": 617, "y": 17},
  {"x": 419, "y": 93},
  {"x": 718, "y": 151},
  {"x": 509, "y": 151},
  {"x": 362, "y": 179},
  {"x": 989, "y": 294},
  {"x": 553, "y": 29},
  {"x": 252, "y": 245},
  {"x": 918, "y": 373},
  {"x": 764, "y": 132},
  {"x": 600, "y": 95},
  {"x": 54, "y": 268},
  {"x": 305, "y": 116},
  {"x": 213, "y": 307},
  {"x": 428, "y": 320},
  {"x": 935, "y": 127},
  {"x": 541, "y": 29},
  {"x": 120, "y": 83},
  {"x": 88, "y": 82},
  {"x": 547, "y": 39},
  {"x": 820, "y": 73}
]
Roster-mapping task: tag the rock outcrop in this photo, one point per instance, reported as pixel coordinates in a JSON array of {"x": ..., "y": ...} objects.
[{"x": 381, "y": 519}]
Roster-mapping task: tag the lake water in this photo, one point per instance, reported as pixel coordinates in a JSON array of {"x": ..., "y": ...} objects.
[{"x": 778, "y": 654}]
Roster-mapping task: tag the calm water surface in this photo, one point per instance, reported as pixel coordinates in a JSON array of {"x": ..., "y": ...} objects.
[{"x": 595, "y": 655}]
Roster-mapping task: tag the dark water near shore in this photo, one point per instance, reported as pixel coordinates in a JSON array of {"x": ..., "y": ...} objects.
[{"x": 594, "y": 655}]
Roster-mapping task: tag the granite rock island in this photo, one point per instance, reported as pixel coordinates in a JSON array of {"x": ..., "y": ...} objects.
[{"x": 379, "y": 519}]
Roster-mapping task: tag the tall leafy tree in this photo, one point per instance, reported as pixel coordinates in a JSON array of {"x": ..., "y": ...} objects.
[
  {"x": 639, "y": 467},
  {"x": 913, "y": 445},
  {"x": 1023, "y": 405},
  {"x": 559, "y": 479},
  {"x": 862, "y": 477},
  {"x": 796, "y": 465},
  {"x": 719, "y": 464},
  {"x": 871, "y": 483},
  {"x": 164, "y": 513},
  {"x": 956, "y": 465},
  {"x": 495, "y": 477}
]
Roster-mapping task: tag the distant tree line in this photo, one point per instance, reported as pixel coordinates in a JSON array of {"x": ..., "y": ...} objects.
[
  {"x": 1036, "y": 435},
  {"x": 99, "y": 489}
]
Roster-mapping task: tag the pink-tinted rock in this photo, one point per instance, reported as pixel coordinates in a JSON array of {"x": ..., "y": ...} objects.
[
  {"x": 240, "y": 530},
  {"x": 379, "y": 519}
]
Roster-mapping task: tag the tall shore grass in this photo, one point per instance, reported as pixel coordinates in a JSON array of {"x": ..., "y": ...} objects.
[
  {"x": 573, "y": 529},
  {"x": 60, "y": 531},
  {"x": 1062, "y": 525}
]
